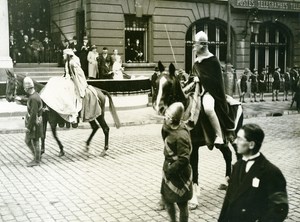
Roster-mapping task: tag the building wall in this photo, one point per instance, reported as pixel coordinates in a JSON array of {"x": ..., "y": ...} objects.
[
  {"x": 63, "y": 12},
  {"x": 173, "y": 18},
  {"x": 105, "y": 24},
  {"x": 169, "y": 19}
]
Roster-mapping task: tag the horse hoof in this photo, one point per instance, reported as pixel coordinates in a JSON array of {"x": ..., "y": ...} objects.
[
  {"x": 160, "y": 206},
  {"x": 222, "y": 187},
  {"x": 193, "y": 203},
  {"x": 87, "y": 148},
  {"x": 103, "y": 153},
  {"x": 61, "y": 153}
]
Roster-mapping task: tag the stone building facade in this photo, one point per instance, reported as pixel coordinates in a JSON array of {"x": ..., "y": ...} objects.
[{"x": 165, "y": 29}]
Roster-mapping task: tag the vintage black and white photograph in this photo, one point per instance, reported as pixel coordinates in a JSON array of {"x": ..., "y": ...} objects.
[{"x": 149, "y": 110}]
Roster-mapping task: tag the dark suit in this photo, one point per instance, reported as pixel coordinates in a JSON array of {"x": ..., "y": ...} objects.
[
  {"x": 260, "y": 196},
  {"x": 104, "y": 66}
]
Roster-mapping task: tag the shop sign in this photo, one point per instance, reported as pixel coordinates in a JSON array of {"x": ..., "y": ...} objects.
[{"x": 267, "y": 5}]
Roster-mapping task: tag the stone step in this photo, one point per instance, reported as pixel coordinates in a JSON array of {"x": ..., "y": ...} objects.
[
  {"x": 37, "y": 69},
  {"x": 40, "y": 73},
  {"x": 35, "y": 65}
]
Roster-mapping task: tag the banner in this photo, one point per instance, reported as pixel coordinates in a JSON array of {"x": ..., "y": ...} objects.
[{"x": 267, "y": 5}]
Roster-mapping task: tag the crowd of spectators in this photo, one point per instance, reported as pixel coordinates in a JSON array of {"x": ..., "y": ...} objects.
[{"x": 253, "y": 83}]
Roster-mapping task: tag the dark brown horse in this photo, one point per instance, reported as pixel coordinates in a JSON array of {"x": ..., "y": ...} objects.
[
  {"x": 14, "y": 88},
  {"x": 169, "y": 91}
]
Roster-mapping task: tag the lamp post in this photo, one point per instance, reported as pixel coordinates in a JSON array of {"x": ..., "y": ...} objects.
[
  {"x": 254, "y": 24},
  {"x": 254, "y": 27}
]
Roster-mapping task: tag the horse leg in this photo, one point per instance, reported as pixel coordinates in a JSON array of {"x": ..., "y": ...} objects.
[
  {"x": 45, "y": 120},
  {"x": 95, "y": 127},
  {"x": 227, "y": 155},
  {"x": 194, "y": 161},
  {"x": 105, "y": 129},
  {"x": 61, "y": 147}
]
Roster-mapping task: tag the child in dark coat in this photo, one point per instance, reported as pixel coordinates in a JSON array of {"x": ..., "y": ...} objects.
[{"x": 177, "y": 186}]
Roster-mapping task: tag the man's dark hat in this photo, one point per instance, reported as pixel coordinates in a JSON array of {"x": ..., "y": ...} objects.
[{"x": 156, "y": 69}]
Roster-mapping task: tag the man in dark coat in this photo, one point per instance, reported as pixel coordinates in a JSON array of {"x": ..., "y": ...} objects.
[
  {"x": 33, "y": 122},
  {"x": 276, "y": 84},
  {"x": 104, "y": 62},
  {"x": 294, "y": 74},
  {"x": 257, "y": 188},
  {"x": 26, "y": 50},
  {"x": 84, "y": 51}
]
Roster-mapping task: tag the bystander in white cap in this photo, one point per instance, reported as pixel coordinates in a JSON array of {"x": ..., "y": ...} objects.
[{"x": 28, "y": 83}]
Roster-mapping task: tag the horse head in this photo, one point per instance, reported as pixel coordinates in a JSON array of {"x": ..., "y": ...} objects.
[
  {"x": 14, "y": 86},
  {"x": 15, "y": 89},
  {"x": 168, "y": 91}
]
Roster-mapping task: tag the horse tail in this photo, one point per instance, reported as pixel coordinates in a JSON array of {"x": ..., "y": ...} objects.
[{"x": 112, "y": 109}]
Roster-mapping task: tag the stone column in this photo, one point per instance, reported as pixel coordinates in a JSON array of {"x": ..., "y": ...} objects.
[{"x": 5, "y": 60}]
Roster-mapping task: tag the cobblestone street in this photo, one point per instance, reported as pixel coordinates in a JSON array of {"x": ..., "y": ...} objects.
[{"x": 125, "y": 185}]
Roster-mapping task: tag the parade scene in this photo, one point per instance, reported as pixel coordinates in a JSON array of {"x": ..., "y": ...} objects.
[{"x": 149, "y": 110}]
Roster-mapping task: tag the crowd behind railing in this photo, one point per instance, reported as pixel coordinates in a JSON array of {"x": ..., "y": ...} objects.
[{"x": 33, "y": 48}]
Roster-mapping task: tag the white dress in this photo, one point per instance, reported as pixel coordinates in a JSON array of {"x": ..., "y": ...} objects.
[
  {"x": 93, "y": 64},
  {"x": 64, "y": 94},
  {"x": 117, "y": 67}
]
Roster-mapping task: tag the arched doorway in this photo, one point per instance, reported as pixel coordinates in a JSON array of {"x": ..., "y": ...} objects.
[
  {"x": 270, "y": 48},
  {"x": 217, "y": 35}
]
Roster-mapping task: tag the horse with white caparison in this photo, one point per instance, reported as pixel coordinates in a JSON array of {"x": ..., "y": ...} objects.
[{"x": 14, "y": 88}]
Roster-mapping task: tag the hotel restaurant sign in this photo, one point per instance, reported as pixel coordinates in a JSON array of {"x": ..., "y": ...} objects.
[{"x": 268, "y": 5}]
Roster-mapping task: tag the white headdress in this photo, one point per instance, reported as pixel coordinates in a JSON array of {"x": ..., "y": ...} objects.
[{"x": 201, "y": 37}]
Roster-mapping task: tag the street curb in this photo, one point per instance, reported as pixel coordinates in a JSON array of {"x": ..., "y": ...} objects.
[
  {"x": 152, "y": 121},
  {"x": 269, "y": 114}
]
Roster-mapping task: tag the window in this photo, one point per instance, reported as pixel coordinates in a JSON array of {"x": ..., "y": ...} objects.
[
  {"x": 136, "y": 39},
  {"x": 217, "y": 36}
]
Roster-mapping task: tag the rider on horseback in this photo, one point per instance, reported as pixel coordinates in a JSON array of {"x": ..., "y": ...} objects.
[
  {"x": 70, "y": 93},
  {"x": 207, "y": 71}
]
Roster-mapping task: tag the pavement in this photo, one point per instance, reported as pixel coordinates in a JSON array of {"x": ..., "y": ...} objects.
[{"x": 124, "y": 185}]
